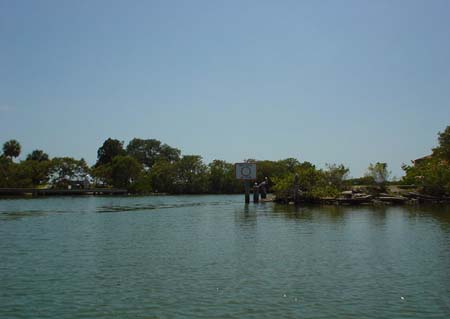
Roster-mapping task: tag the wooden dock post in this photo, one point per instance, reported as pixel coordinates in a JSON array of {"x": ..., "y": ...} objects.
[
  {"x": 255, "y": 193},
  {"x": 263, "y": 187},
  {"x": 247, "y": 192}
]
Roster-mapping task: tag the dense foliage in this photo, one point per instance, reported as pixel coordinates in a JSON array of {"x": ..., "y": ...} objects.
[
  {"x": 148, "y": 152},
  {"x": 432, "y": 176},
  {"x": 143, "y": 166},
  {"x": 64, "y": 170},
  {"x": 313, "y": 182},
  {"x": 110, "y": 149},
  {"x": 443, "y": 150},
  {"x": 147, "y": 165},
  {"x": 432, "y": 173},
  {"x": 37, "y": 155}
]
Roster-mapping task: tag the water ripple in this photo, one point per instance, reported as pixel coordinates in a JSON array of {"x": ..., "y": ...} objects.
[{"x": 214, "y": 257}]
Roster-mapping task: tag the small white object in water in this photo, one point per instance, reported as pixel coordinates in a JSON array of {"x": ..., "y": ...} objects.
[
  {"x": 284, "y": 296},
  {"x": 402, "y": 298}
]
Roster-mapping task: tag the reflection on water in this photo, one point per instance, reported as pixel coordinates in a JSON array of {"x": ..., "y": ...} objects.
[
  {"x": 22, "y": 214},
  {"x": 213, "y": 256},
  {"x": 245, "y": 214},
  {"x": 337, "y": 213}
]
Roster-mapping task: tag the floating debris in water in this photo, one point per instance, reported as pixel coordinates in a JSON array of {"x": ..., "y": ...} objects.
[{"x": 402, "y": 298}]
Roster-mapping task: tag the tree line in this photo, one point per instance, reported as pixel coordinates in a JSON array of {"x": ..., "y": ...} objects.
[
  {"x": 432, "y": 173},
  {"x": 150, "y": 166},
  {"x": 429, "y": 175},
  {"x": 143, "y": 166}
]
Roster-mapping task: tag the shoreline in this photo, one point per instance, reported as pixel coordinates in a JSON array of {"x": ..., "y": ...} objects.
[
  {"x": 357, "y": 199},
  {"x": 348, "y": 198},
  {"x": 36, "y": 192}
]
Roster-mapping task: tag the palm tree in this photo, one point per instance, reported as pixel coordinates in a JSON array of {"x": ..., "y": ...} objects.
[{"x": 11, "y": 149}]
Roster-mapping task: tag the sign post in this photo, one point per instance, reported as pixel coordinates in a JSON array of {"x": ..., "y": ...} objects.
[{"x": 246, "y": 172}]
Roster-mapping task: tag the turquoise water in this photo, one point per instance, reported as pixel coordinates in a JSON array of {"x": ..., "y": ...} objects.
[{"x": 214, "y": 257}]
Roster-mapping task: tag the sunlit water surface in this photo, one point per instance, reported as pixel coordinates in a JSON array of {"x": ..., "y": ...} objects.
[{"x": 214, "y": 257}]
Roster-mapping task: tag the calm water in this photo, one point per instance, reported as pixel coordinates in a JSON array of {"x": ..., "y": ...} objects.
[{"x": 214, "y": 257}]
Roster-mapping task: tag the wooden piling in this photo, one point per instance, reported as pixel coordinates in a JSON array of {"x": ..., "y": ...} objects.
[
  {"x": 255, "y": 193},
  {"x": 263, "y": 188},
  {"x": 247, "y": 192}
]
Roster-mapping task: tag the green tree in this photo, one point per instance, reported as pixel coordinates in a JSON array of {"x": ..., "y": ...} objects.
[
  {"x": 432, "y": 173},
  {"x": 142, "y": 184},
  {"x": 313, "y": 183},
  {"x": 110, "y": 149},
  {"x": 169, "y": 153},
  {"x": 308, "y": 177},
  {"x": 37, "y": 171},
  {"x": 268, "y": 169},
  {"x": 288, "y": 165},
  {"x": 379, "y": 172},
  {"x": 336, "y": 175},
  {"x": 37, "y": 155},
  {"x": 17, "y": 175},
  {"x": 149, "y": 151},
  {"x": 274, "y": 169},
  {"x": 432, "y": 176},
  {"x": 102, "y": 175},
  {"x": 64, "y": 170},
  {"x": 222, "y": 178},
  {"x": 6, "y": 172},
  {"x": 20, "y": 176},
  {"x": 162, "y": 176},
  {"x": 11, "y": 148},
  {"x": 191, "y": 175},
  {"x": 124, "y": 171},
  {"x": 145, "y": 151},
  {"x": 443, "y": 150}
]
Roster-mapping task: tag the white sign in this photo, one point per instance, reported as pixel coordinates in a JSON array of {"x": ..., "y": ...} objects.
[{"x": 245, "y": 171}]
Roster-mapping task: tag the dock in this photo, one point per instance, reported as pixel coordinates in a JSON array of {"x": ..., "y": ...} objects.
[{"x": 60, "y": 192}]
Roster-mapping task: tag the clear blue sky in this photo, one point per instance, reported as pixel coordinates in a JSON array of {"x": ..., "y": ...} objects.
[{"x": 350, "y": 82}]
